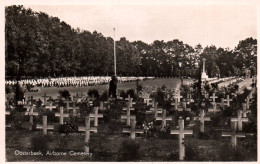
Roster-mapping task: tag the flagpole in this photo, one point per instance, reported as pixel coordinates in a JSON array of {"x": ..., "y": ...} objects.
[{"x": 115, "y": 50}]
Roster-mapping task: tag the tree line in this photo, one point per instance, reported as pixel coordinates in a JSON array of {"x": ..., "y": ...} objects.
[{"x": 40, "y": 45}]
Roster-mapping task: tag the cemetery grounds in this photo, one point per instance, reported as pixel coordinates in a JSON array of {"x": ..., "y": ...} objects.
[{"x": 110, "y": 144}]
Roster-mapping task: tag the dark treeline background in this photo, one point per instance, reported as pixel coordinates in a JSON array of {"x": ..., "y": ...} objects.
[{"x": 40, "y": 45}]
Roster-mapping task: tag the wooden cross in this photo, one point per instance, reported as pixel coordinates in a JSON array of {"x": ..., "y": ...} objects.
[
  {"x": 147, "y": 99},
  {"x": 95, "y": 115},
  {"x": 181, "y": 131},
  {"x": 164, "y": 118},
  {"x": 31, "y": 114},
  {"x": 233, "y": 134},
  {"x": 44, "y": 125},
  {"x": 132, "y": 130},
  {"x": 68, "y": 104},
  {"x": 155, "y": 110},
  {"x": 50, "y": 106},
  {"x": 178, "y": 96},
  {"x": 245, "y": 110},
  {"x": 202, "y": 119},
  {"x": 228, "y": 100},
  {"x": 87, "y": 129},
  {"x": 239, "y": 119},
  {"x": 61, "y": 115},
  {"x": 44, "y": 98},
  {"x": 175, "y": 104},
  {"x": 128, "y": 115},
  {"x": 213, "y": 97},
  {"x": 130, "y": 100}
]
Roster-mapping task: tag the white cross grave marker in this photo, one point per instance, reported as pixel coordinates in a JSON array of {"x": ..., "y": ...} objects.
[
  {"x": 95, "y": 115},
  {"x": 239, "y": 119},
  {"x": 202, "y": 119},
  {"x": 233, "y": 134},
  {"x": 181, "y": 131},
  {"x": 132, "y": 130},
  {"x": 61, "y": 115},
  {"x": 44, "y": 125}
]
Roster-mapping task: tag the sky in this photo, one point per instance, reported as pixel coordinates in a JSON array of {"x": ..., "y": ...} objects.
[{"x": 219, "y": 25}]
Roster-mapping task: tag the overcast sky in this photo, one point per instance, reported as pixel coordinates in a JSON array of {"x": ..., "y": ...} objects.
[{"x": 223, "y": 26}]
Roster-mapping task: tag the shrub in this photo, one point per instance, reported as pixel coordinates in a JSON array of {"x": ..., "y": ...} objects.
[
  {"x": 93, "y": 92},
  {"x": 41, "y": 143},
  {"x": 65, "y": 94},
  {"x": 8, "y": 89},
  {"x": 128, "y": 150},
  {"x": 172, "y": 156}
]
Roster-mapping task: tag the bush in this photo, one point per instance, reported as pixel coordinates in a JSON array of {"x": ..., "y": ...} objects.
[
  {"x": 41, "y": 143},
  {"x": 128, "y": 150},
  {"x": 65, "y": 94},
  {"x": 8, "y": 89},
  {"x": 93, "y": 92}
]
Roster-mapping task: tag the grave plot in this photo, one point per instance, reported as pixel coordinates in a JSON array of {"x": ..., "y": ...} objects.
[{"x": 164, "y": 124}]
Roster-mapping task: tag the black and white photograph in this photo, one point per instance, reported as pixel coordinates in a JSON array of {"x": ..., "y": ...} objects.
[{"x": 130, "y": 82}]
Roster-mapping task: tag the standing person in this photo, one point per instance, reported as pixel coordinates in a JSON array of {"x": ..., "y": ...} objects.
[{"x": 113, "y": 86}]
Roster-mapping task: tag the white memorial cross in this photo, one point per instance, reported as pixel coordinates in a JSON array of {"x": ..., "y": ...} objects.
[
  {"x": 175, "y": 104},
  {"x": 132, "y": 130},
  {"x": 95, "y": 115},
  {"x": 181, "y": 131},
  {"x": 164, "y": 118},
  {"x": 31, "y": 114},
  {"x": 45, "y": 98},
  {"x": 228, "y": 100},
  {"x": 213, "y": 97},
  {"x": 128, "y": 115},
  {"x": 87, "y": 129},
  {"x": 233, "y": 134},
  {"x": 245, "y": 110},
  {"x": 61, "y": 115},
  {"x": 202, "y": 119},
  {"x": 50, "y": 106},
  {"x": 155, "y": 110},
  {"x": 239, "y": 119},
  {"x": 130, "y": 100},
  {"x": 44, "y": 125}
]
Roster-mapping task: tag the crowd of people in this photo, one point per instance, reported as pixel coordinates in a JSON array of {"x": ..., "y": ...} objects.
[{"x": 72, "y": 81}]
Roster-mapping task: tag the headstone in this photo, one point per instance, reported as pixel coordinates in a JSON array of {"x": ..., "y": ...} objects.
[
  {"x": 95, "y": 115},
  {"x": 44, "y": 125},
  {"x": 181, "y": 131},
  {"x": 132, "y": 130},
  {"x": 239, "y": 119},
  {"x": 202, "y": 119},
  {"x": 233, "y": 134},
  {"x": 61, "y": 115}
]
